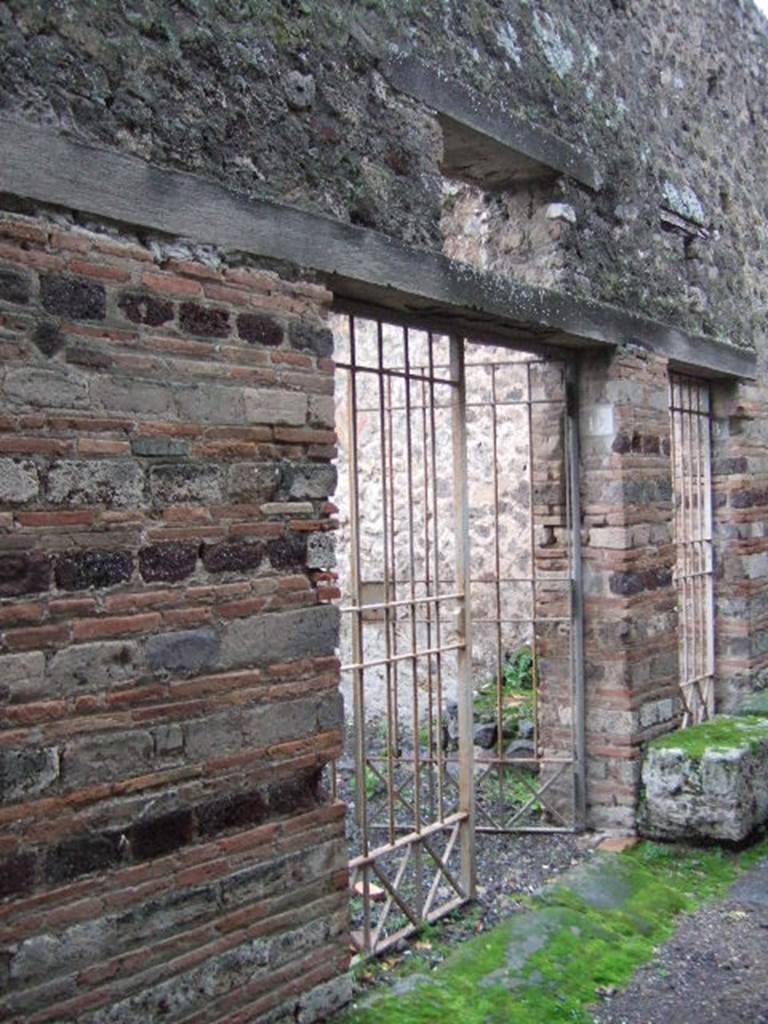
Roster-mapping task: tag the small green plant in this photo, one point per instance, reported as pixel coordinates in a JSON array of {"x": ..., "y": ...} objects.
[
  {"x": 372, "y": 784},
  {"x": 517, "y": 679},
  {"x": 517, "y": 670}
]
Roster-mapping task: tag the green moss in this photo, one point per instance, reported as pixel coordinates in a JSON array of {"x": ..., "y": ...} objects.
[
  {"x": 719, "y": 734},
  {"x": 547, "y": 964}
]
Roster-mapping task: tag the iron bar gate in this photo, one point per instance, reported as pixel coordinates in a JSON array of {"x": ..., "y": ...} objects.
[
  {"x": 405, "y": 627},
  {"x": 690, "y": 411},
  {"x": 457, "y": 479},
  {"x": 526, "y": 596}
]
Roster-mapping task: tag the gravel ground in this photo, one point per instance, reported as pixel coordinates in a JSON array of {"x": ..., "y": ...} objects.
[{"x": 714, "y": 970}]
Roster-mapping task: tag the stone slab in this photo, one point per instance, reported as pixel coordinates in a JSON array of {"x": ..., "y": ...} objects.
[{"x": 707, "y": 782}]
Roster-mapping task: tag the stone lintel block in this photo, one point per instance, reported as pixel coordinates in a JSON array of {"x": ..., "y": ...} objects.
[
  {"x": 287, "y": 508},
  {"x": 707, "y": 782}
]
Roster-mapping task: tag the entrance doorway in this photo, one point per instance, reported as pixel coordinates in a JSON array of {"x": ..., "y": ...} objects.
[{"x": 460, "y": 638}]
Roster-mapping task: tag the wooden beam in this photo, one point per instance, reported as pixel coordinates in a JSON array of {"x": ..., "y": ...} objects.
[{"x": 43, "y": 165}]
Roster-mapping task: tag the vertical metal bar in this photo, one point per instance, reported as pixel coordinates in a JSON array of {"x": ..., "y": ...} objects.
[
  {"x": 435, "y": 748},
  {"x": 710, "y": 568},
  {"x": 419, "y": 894},
  {"x": 674, "y": 462},
  {"x": 358, "y": 687},
  {"x": 577, "y": 594},
  {"x": 700, "y": 624},
  {"x": 441, "y": 762},
  {"x": 497, "y": 589},
  {"x": 464, "y": 655},
  {"x": 532, "y": 553},
  {"x": 392, "y": 577},
  {"x": 391, "y": 713},
  {"x": 412, "y": 585}
]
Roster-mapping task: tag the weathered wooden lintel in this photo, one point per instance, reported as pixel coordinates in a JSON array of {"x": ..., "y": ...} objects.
[{"x": 42, "y": 165}]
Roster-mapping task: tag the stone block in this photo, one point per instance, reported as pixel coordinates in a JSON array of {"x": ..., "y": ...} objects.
[
  {"x": 288, "y": 551},
  {"x": 275, "y": 406},
  {"x": 133, "y": 397},
  {"x": 72, "y": 298},
  {"x": 185, "y": 482},
  {"x": 27, "y": 772},
  {"x": 235, "y": 810},
  {"x": 18, "y": 481},
  {"x": 81, "y": 570},
  {"x": 252, "y": 481},
  {"x": 213, "y": 736},
  {"x": 17, "y": 874},
  {"x": 106, "y": 757},
  {"x": 306, "y": 480},
  {"x": 204, "y": 321},
  {"x": 170, "y": 561},
  {"x": 156, "y": 447},
  {"x": 208, "y": 403},
  {"x": 95, "y": 851},
  {"x": 13, "y": 287},
  {"x": 44, "y": 388},
  {"x": 182, "y": 653},
  {"x": 41, "y": 956},
  {"x": 95, "y": 666},
  {"x": 157, "y": 836},
  {"x": 321, "y": 550},
  {"x": 233, "y": 556},
  {"x": 707, "y": 782},
  {"x": 114, "y": 483},
  {"x": 260, "y": 329},
  {"x": 24, "y": 573},
  {"x": 280, "y": 636},
  {"x": 753, "y": 704},
  {"x": 22, "y": 676},
  {"x": 169, "y": 739},
  {"x": 307, "y": 337},
  {"x": 142, "y": 308},
  {"x": 323, "y": 1000}
]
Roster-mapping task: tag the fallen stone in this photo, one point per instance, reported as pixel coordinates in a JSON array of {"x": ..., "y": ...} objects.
[
  {"x": 485, "y": 735},
  {"x": 707, "y": 782}
]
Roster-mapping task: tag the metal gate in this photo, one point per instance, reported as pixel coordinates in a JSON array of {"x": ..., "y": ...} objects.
[
  {"x": 422, "y": 467},
  {"x": 694, "y": 562},
  {"x": 523, "y": 495}
]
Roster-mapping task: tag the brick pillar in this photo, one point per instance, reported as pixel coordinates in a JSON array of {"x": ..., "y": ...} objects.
[
  {"x": 168, "y": 681},
  {"x": 740, "y": 485},
  {"x": 630, "y": 617}
]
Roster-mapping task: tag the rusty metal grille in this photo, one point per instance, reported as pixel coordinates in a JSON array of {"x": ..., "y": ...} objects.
[
  {"x": 526, "y": 617},
  {"x": 458, "y": 566},
  {"x": 694, "y": 562},
  {"x": 403, "y": 566}
]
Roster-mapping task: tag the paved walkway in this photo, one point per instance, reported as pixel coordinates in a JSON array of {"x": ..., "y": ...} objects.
[
  {"x": 714, "y": 970},
  {"x": 573, "y": 955}
]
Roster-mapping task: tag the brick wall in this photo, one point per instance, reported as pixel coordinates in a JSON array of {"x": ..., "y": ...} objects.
[
  {"x": 168, "y": 685},
  {"x": 740, "y": 485},
  {"x": 630, "y": 615}
]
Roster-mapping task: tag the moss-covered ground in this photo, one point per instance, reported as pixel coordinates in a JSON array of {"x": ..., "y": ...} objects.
[
  {"x": 551, "y": 961},
  {"x": 719, "y": 734}
]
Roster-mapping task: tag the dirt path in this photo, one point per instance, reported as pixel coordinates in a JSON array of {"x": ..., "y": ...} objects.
[{"x": 714, "y": 970}]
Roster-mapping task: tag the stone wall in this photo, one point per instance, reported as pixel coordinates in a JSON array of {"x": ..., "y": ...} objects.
[
  {"x": 168, "y": 679},
  {"x": 630, "y": 602},
  {"x": 167, "y": 645},
  {"x": 669, "y": 95}
]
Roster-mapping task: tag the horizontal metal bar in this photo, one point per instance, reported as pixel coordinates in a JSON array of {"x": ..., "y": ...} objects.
[
  {"x": 403, "y": 601},
  {"x": 407, "y": 840},
  {"x": 385, "y": 371},
  {"x": 410, "y": 656}
]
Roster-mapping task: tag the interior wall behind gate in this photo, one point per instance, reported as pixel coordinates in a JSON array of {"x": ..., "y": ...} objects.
[{"x": 168, "y": 682}]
